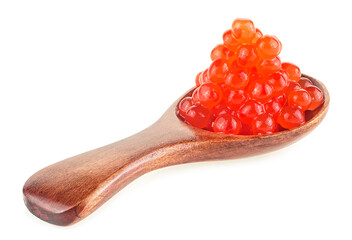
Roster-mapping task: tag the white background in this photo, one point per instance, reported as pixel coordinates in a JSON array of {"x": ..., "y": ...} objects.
[{"x": 77, "y": 75}]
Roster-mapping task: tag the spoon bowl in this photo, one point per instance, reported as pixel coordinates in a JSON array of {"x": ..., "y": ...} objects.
[{"x": 68, "y": 191}]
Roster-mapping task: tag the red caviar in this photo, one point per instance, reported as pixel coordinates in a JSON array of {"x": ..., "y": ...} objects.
[
  {"x": 221, "y": 52},
  {"x": 294, "y": 73},
  {"x": 258, "y": 35},
  {"x": 316, "y": 95},
  {"x": 230, "y": 42},
  {"x": 236, "y": 79},
  {"x": 291, "y": 117},
  {"x": 249, "y": 110},
  {"x": 184, "y": 105},
  {"x": 198, "y": 116},
  {"x": 305, "y": 82},
  {"x": 268, "y": 47},
  {"x": 235, "y": 99},
  {"x": 246, "y": 89},
  {"x": 209, "y": 95},
  {"x": 264, "y": 124},
  {"x": 226, "y": 123},
  {"x": 217, "y": 70},
  {"x": 247, "y": 56},
  {"x": 243, "y": 30},
  {"x": 299, "y": 98}
]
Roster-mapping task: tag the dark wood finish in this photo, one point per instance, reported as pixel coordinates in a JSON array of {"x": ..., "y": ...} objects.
[{"x": 68, "y": 191}]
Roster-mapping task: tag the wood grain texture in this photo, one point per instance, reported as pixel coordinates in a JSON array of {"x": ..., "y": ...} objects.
[{"x": 68, "y": 191}]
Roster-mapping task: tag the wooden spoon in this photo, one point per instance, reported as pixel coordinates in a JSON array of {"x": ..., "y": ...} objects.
[{"x": 68, "y": 191}]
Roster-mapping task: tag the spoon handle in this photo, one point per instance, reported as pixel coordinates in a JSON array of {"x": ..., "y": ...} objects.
[{"x": 68, "y": 191}]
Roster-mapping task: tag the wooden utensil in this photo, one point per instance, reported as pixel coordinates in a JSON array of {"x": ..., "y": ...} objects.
[{"x": 68, "y": 191}]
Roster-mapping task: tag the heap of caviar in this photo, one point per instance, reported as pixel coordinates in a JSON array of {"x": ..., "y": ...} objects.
[{"x": 247, "y": 89}]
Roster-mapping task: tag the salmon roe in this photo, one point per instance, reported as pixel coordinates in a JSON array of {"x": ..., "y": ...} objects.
[{"x": 247, "y": 90}]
